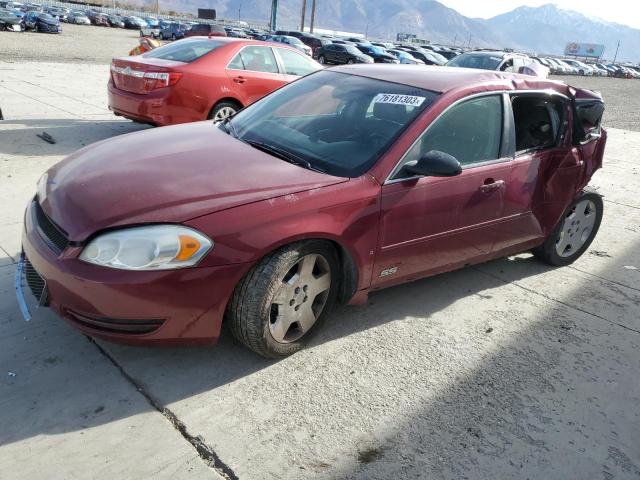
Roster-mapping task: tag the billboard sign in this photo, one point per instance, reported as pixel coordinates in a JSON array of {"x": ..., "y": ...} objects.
[
  {"x": 576, "y": 49},
  {"x": 207, "y": 13}
]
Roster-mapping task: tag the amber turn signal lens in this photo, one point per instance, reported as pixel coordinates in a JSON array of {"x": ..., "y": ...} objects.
[{"x": 188, "y": 247}]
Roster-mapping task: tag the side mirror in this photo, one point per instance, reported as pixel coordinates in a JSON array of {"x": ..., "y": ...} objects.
[{"x": 434, "y": 164}]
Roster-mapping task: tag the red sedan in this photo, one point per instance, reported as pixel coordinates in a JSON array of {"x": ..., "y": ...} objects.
[
  {"x": 201, "y": 78},
  {"x": 347, "y": 181}
]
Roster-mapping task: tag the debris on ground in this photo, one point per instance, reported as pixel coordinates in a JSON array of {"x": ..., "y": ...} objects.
[
  {"x": 46, "y": 137},
  {"x": 630, "y": 267},
  {"x": 599, "y": 253},
  {"x": 11, "y": 374}
]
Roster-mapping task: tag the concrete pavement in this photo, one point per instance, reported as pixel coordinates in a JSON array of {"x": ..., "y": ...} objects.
[{"x": 508, "y": 370}]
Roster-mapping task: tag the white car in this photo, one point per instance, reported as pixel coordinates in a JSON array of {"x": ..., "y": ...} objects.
[{"x": 582, "y": 68}]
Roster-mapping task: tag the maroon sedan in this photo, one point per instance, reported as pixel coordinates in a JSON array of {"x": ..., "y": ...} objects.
[
  {"x": 347, "y": 181},
  {"x": 201, "y": 78}
]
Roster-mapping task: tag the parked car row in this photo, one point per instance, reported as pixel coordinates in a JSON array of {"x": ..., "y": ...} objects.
[{"x": 567, "y": 66}]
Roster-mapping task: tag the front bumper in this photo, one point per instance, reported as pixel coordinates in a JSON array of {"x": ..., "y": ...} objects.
[
  {"x": 174, "y": 307},
  {"x": 48, "y": 28}
]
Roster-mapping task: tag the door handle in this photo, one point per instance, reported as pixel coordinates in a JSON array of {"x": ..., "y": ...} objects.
[
  {"x": 491, "y": 185},
  {"x": 240, "y": 80}
]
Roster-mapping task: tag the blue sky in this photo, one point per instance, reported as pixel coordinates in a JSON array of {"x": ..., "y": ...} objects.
[{"x": 626, "y": 12}]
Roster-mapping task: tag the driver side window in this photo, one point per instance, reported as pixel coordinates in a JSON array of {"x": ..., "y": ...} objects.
[{"x": 470, "y": 131}]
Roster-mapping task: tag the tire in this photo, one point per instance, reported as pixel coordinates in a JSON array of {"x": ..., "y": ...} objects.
[
  {"x": 350, "y": 61},
  {"x": 266, "y": 305},
  {"x": 222, "y": 110},
  {"x": 575, "y": 231},
  {"x": 173, "y": 37},
  {"x": 322, "y": 60}
]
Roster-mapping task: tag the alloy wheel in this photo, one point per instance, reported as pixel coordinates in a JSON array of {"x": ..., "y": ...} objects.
[
  {"x": 300, "y": 298},
  {"x": 576, "y": 229},
  {"x": 222, "y": 114}
]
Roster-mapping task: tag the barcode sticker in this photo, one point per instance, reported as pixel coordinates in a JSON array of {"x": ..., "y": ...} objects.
[{"x": 396, "y": 99}]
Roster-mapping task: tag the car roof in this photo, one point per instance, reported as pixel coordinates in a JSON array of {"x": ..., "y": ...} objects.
[{"x": 442, "y": 79}]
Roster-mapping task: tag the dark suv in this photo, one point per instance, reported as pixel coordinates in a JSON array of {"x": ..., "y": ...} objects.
[
  {"x": 314, "y": 43},
  {"x": 205, "y": 29},
  {"x": 341, "y": 54}
]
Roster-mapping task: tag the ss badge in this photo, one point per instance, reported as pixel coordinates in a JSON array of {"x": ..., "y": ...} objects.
[{"x": 388, "y": 271}]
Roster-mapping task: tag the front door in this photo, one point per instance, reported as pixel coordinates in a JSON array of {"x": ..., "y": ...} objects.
[{"x": 433, "y": 224}]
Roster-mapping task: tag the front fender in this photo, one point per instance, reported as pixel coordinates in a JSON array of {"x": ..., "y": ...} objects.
[{"x": 346, "y": 213}]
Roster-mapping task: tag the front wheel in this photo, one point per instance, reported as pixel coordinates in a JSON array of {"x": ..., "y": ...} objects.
[
  {"x": 351, "y": 61},
  {"x": 282, "y": 301},
  {"x": 321, "y": 60},
  {"x": 575, "y": 231}
]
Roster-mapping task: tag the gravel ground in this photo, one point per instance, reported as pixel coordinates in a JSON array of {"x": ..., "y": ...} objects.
[
  {"x": 77, "y": 44},
  {"x": 622, "y": 97},
  {"x": 89, "y": 44}
]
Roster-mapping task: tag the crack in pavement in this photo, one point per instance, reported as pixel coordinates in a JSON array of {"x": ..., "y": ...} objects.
[
  {"x": 205, "y": 452},
  {"x": 621, "y": 204},
  {"x": 603, "y": 278},
  {"x": 566, "y": 304}
]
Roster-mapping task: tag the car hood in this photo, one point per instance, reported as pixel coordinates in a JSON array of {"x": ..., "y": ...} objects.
[{"x": 168, "y": 174}]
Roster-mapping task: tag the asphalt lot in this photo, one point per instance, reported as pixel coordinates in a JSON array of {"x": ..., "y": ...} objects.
[{"x": 508, "y": 370}]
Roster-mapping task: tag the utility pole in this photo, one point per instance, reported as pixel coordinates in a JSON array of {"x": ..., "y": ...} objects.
[
  {"x": 274, "y": 15},
  {"x": 304, "y": 14},
  {"x": 239, "y": 10},
  {"x": 366, "y": 30},
  {"x": 157, "y": 7},
  {"x": 616, "y": 55},
  {"x": 455, "y": 37},
  {"x": 313, "y": 15}
]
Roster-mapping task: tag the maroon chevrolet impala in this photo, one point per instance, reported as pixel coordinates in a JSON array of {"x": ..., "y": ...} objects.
[{"x": 347, "y": 181}]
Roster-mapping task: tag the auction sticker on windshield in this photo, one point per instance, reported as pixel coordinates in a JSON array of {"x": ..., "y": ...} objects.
[{"x": 396, "y": 99}]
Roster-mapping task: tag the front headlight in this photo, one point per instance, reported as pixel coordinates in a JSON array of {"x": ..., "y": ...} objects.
[{"x": 154, "y": 247}]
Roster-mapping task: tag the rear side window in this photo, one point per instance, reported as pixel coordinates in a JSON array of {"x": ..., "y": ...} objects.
[
  {"x": 538, "y": 121},
  {"x": 295, "y": 63},
  {"x": 255, "y": 59},
  {"x": 184, "y": 51}
]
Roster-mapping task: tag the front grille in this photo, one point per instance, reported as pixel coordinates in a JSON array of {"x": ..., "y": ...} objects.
[
  {"x": 49, "y": 231},
  {"x": 113, "y": 325},
  {"x": 36, "y": 282}
]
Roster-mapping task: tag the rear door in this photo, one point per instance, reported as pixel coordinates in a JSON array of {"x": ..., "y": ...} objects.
[{"x": 254, "y": 73}]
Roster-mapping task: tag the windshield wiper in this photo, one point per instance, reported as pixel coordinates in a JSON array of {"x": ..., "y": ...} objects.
[
  {"x": 284, "y": 155},
  {"x": 226, "y": 123}
]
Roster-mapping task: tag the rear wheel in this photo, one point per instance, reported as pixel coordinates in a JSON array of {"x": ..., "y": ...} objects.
[
  {"x": 575, "y": 231},
  {"x": 282, "y": 301},
  {"x": 351, "y": 61},
  {"x": 222, "y": 111},
  {"x": 321, "y": 60},
  {"x": 173, "y": 37}
]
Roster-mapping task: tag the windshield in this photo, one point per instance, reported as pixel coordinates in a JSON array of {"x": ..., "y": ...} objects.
[
  {"x": 331, "y": 122},
  {"x": 470, "y": 60},
  {"x": 293, "y": 41}
]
